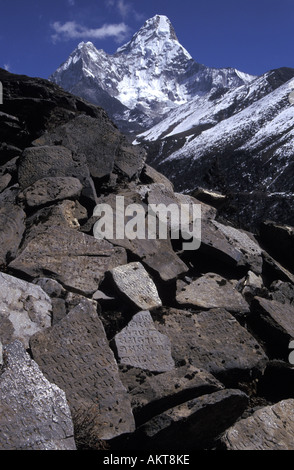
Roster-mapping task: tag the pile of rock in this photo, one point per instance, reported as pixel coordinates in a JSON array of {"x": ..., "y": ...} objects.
[{"x": 128, "y": 343}]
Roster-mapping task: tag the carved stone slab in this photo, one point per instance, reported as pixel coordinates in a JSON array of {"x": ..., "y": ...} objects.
[
  {"x": 141, "y": 345},
  {"x": 213, "y": 291},
  {"x": 34, "y": 414},
  {"x": 133, "y": 281},
  {"x": 75, "y": 259},
  {"x": 24, "y": 309},
  {"x": 76, "y": 356},
  {"x": 269, "y": 428}
]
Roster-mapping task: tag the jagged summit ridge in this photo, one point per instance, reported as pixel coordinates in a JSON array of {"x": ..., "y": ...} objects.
[{"x": 156, "y": 29}]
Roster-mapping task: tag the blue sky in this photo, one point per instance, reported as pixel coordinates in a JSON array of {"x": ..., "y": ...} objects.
[{"x": 254, "y": 36}]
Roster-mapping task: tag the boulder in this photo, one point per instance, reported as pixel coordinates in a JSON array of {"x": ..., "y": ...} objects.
[
  {"x": 51, "y": 189},
  {"x": 135, "y": 285},
  {"x": 100, "y": 142},
  {"x": 24, "y": 309},
  {"x": 156, "y": 253},
  {"x": 274, "y": 322},
  {"x": 160, "y": 392},
  {"x": 213, "y": 340},
  {"x": 278, "y": 240},
  {"x": 75, "y": 355},
  {"x": 212, "y": 291},
  {"x": 78, "y": 261},
  {"x": 193, "y": 424},
  {"x": 50, "y": 161},
  {"x": 34, "y": 413},
  {"x": 269, "y": 428},
  {"x": 139, "y": 344}
]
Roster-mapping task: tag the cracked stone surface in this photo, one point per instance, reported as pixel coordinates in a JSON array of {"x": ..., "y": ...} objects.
[{"x": 38, "y": 419}]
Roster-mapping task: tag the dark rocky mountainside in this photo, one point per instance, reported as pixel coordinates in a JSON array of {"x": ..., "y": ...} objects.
[{"x": 129, "y": 344}]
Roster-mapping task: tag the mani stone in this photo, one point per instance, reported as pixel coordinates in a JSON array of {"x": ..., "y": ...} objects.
[
  {"x": 193, "y": 424},
  {"x": 133, "y": 281},
  {"x": 24, "y": 309},
  {"x": 34, "y": 413},
  {"x": 141, "y": 345},
  {"x": 49, "y": 161},
  {"x": 100, "y": 142},
  {"x": 12, "y": 222},
  {"x": 157, "y": 253},
  {"x": 74, "y": 259},
  {"x": 52, "y": 189},
  {"x": 212, "y": 291},
  {"x": 213, "y": 340},
  {"x": 75, "y": 354},
  {"x": 269, "y": 428}
]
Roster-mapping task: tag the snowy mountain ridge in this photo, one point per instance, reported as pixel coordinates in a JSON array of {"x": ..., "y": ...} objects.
[{"x": 149, "y": 76}]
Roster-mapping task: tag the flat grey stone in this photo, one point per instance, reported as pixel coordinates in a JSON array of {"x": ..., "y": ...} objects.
[
  {"x": 192, "y": 424},
  {"x": 213, "y": 340},
  {"x": 24, "y": 309},
  {"x": 52, "y": 189},
  {"x": 269, "y": 428},
  {"x": 74, "y": 259},
  {"x": 141, "y": 345},
  {"x": 212, "y": 291},
  {"x": 76, "y": 356},
  {"x": 34, "y": 413},
  {"x": 134, "y": 283}
]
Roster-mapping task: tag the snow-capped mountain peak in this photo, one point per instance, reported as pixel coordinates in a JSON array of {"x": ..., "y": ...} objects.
[
  {"x": 155, "y": 32},
  {"x": 148, "y": 76}
]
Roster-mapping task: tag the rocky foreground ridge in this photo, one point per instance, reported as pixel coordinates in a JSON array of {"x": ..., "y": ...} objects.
[{"x": 129, "y": 344}]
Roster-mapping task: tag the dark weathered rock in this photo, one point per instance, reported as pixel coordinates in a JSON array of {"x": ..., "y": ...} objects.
[
  {"x": 149, "y": 175},
  {"x": 274, "y": 271},
  {"x": 4, "y": 181},
  {"x": 34, "y": 413},
  {"x": 12, "y": 223},
  {"x": 24, "y": 309},
  {"x": 278, "y": 240},
  {"x": 50, "y": 161},
  {"x": 274, "y": 322},
  {"x": 163, "y": 391},
  {"x": 51, "y": 189},
  {"x": 245, "y": 244},
  {"x": 35, "y": 105},
  {"x": 269, "y": 428},
  {"x": 100, "y": 143},
  {"x": 212, "y": 291},
  {"x": 135, "y": 284},
  {"x": 213, "y": 340},
  {"x": 141, "y": 345},
  {"x": 282, "y": 292},
  {"x": 76, "y": 356},
  {"x": 157, "y": 254},
  {"x": 194, "y": 424},
  {"x": 76, "y": 260}
]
